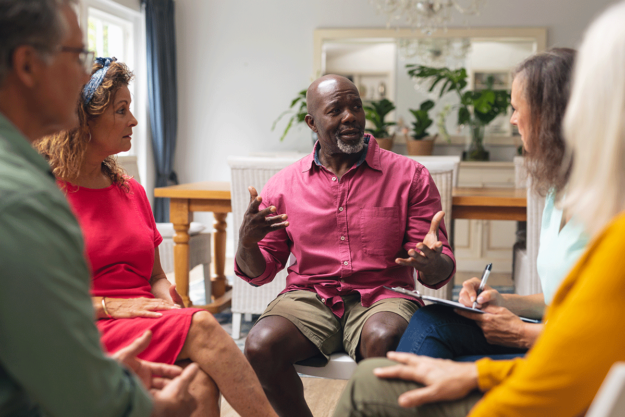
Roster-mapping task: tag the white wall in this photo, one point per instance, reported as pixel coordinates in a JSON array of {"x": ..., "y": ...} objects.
[
  {"x": 240, "y": 62},
  {"x": 348, "y": 58},
  {"x": 132, "y": 4}
]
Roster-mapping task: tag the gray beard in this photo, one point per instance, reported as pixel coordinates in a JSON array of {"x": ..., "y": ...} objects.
[{"x": 350, "y": 149}]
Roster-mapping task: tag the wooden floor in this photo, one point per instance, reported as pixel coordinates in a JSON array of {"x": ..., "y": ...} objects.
[{"x": 321, "y": 395}]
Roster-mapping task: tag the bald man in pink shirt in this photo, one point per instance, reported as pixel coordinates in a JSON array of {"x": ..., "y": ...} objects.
[{"x": 355, "y": 218}]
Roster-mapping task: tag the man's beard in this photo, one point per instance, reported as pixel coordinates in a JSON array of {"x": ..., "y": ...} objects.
[{"x": 350, "y": 149}]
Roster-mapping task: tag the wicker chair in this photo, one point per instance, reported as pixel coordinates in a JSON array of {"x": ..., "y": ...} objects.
[
  {"x": 525, "y": 274},
  {"x": 254, "y": 171},
  {"x": 444, "y": 172}
]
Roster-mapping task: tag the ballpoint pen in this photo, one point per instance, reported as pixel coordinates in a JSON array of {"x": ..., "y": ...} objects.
[{"x": 483, "y": 283}]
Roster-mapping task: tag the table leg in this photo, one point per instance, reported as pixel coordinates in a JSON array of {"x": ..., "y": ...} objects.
[
  {"x": 219, "y": 241},
  {"x": 180, "y": 216}
]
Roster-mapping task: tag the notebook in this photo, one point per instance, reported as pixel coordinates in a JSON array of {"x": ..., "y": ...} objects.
[{"x": 448, "y": 303}]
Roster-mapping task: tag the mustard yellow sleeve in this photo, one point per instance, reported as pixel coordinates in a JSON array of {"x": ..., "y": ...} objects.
[
  {"x": 491, "y": 373},
  {"x": 582, "y": 338}
]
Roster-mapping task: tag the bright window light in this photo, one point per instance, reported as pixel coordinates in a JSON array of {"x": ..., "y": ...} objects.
[{"x": 112, "y": 36}]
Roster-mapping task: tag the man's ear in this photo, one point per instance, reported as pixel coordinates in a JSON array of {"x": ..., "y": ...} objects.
[
  {"x": 27, "y": 65},
  {"x": 310, "y": 121}
]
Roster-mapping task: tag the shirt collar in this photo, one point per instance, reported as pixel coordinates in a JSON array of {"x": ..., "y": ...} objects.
[
  {"x": 21, "y": 146},
  {"x": 371, "y": 155}
]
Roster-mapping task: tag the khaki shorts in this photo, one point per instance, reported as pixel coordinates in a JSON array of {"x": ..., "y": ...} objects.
[{"x": 329, "y": 333}]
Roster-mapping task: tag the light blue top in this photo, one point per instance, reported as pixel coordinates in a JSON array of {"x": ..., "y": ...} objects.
[{"x": 559, "y": 249}]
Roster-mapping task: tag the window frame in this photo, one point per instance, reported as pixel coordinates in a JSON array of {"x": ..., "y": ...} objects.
[{"x": 114, "y": 11}]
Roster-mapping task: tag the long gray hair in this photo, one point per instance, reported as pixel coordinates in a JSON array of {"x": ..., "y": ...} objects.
[
  {"x": 545, "y": 78},
  {"x": 39, "y": 23}
]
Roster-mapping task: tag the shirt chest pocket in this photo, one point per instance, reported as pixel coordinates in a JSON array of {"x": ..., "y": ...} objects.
[{"x": 379, "y": 230}]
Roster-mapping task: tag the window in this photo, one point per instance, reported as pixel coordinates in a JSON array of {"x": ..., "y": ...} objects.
[
  {"x": 108, "y": 35},
  {"x": 114, "y": 30}
]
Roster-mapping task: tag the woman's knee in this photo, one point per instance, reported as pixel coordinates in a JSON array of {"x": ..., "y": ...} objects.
[
  {"x": 204, "y": 329},
  {"x": 204, "y": 322}
]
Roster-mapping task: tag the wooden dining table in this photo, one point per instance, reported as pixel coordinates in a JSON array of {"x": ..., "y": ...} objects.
[
  {"x": 186, "y": 199},
  {"x": 489, "y": 203}
]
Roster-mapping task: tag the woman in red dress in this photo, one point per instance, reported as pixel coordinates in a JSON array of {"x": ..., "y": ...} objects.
[{"x": 131, "y": 293}]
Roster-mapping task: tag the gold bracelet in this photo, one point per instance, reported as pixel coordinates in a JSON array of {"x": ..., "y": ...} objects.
[{"x": 105, "y": 310}]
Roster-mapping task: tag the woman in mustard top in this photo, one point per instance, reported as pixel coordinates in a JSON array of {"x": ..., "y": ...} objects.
[{"x": 583, "y": 333}]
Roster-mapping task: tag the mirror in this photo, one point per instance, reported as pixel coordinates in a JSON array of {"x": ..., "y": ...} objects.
[{"x": 375, "y": 60}]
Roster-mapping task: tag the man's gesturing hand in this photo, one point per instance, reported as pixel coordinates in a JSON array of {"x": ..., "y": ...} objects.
[
  {"x": 175, "y": 400},
  {"x": 443, "y": 380},
  {"x": 427, "y": 256},
  {"x": 257, "y": 224},
  {"x": 146, "y": 371},
  {"x": 170, "y": 389}
]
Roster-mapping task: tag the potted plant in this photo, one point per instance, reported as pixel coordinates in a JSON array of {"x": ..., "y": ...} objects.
[
  {"x": 376, "y": 112},
  {"x": 420, "y": 142},
  {"x": 476, "y": 108},
  {"x": 298, "y": 114}
]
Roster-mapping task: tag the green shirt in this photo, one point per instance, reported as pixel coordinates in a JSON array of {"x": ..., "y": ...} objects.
[{"x": 51, "y": 360}]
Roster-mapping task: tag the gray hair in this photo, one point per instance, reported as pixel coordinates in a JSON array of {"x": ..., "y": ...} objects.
[
  {"x": 39, "y": 23},
  {"x": 546, "y": 83}
]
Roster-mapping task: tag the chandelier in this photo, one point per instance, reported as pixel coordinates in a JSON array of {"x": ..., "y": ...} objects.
[
  {"x": 435, "y": 52},
  {"x": 426, "y": 15}
]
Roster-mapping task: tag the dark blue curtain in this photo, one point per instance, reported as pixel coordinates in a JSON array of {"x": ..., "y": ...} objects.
[{"x": 162, "y": 94}]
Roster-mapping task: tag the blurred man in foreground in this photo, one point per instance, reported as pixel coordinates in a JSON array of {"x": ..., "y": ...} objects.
[{"x": 51, "y": 362}]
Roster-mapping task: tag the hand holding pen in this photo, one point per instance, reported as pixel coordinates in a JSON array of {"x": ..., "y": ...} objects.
[
  {"x": 488, "y": 297},
  {"x": 483, "y": 282}
]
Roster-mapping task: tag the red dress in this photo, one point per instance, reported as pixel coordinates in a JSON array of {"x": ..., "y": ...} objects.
[{"x": 120, "y": 238}]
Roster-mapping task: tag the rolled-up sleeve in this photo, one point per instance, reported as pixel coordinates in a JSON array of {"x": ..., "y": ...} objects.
[
  {"x": 50, "y": 346},
  {"x": 275, "y": 248},
  {"x": 424, "y": 202}
]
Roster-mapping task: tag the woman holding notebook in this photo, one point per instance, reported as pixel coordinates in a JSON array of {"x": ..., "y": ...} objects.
[{"x": 540, "y": 92}]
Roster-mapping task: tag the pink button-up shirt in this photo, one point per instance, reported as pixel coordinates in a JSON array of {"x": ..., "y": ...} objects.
[{"x": 346, "y": 234}]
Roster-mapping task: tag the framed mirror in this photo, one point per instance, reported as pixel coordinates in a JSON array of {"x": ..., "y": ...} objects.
[{"x": 375, "y": 60}]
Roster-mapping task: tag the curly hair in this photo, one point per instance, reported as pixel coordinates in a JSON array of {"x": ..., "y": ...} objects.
[
  {"x": 65, "y": 151},
  {"x": 546, "y": 79}
]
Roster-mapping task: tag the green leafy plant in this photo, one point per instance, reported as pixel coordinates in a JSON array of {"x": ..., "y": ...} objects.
[
  {"x": 422, "y": 120},
  {"x": 484, "y": 105},
  {"x": 476, "y": 108},
  {"x": 298, "y": 114},
  {"x": 376, "y": 112}
]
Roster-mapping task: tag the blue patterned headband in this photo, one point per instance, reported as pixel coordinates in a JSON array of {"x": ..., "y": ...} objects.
[{"x": 96, "y": 79}]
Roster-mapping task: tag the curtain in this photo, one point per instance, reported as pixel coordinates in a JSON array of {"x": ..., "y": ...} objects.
[{"x": 162, "y": 95}]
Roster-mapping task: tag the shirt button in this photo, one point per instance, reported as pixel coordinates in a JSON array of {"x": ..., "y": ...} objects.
[
  {"x": 340, "y": 208},
  {"x": 333, "y": 178},
  {"x": 342, "y": 237},
  {"x": 343, "y": 281},
  {"x": 345, "y": 263},
  {"x": 323, "y": 300}
]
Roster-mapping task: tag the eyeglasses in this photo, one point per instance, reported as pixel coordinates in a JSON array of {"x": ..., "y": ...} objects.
[{"x": 84, "y": 56}]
